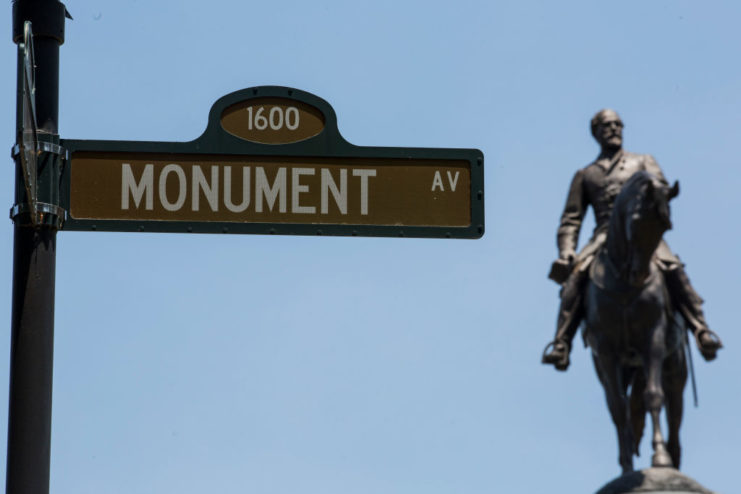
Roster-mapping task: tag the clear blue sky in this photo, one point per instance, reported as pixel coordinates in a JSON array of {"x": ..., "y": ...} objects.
[{"x": 281, "y": 365}]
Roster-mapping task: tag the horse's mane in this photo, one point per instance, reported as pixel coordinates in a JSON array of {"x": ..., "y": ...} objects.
[{"x": 632, "y": 187}]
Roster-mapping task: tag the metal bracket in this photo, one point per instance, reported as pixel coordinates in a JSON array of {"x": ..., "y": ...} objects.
[
  {"x": 43, "y": 147},
  {"x": 45, "y": 214}
]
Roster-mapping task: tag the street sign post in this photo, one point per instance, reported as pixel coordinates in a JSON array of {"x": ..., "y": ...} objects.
[
  {"x": 38, "y": 30},
  {"x": 273, "y": 161}
]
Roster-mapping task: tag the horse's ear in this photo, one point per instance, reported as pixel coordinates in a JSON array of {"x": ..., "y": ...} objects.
[
  {"x": 674, "y": 191},
  {"x": 650, "y": 188}
]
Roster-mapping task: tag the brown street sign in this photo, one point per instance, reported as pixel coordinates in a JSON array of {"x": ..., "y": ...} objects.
[
  {"x": 192, "y": 188},
  {"x": 273, "y": 161}
]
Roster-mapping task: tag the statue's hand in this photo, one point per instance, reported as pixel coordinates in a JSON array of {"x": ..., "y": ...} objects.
[
  {"x": 568, "y": 256},
  {"x": 560, "y": 269}
]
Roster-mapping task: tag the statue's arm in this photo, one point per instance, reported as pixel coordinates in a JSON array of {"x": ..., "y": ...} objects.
[
  {"x": 651, "y": 166},
  {"x": 567, "y": 237}
]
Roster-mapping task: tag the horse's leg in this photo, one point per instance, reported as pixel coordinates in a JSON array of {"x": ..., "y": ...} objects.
[
  {"x": 674, "y": 380},
  {"x": 610, "y": 374},
  {"x": 628, "y": 374},
  {"x": 637, "y": 410},
  {"x": 653, "y": 396}
]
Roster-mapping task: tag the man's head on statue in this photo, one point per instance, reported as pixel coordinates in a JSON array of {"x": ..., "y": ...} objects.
[{"x": 607, "y": 128}]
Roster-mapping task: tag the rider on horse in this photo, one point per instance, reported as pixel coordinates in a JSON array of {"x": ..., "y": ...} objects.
[{"x": 598, "y": 184}]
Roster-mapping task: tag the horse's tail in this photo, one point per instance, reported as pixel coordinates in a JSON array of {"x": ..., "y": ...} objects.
[{"x": 637, "y": 410}]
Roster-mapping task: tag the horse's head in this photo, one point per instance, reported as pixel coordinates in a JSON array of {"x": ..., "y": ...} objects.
[{"x": 642, "y": 211}]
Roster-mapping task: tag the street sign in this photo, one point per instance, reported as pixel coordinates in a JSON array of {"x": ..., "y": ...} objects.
[{"x": 273, "y": 161}]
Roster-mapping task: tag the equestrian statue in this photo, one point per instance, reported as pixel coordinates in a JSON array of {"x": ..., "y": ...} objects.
[{"x": 630, "y": 291}]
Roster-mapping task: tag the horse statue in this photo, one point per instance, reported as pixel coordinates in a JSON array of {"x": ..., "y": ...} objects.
[{"x": 637, "y": 345}]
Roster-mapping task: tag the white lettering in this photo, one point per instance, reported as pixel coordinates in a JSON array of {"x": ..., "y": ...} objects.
[
  {"x": 210, "y": 191},
  {"x": 263, "y": 189},
  {"x": 364, "y": 174},
  {"x": 297, "y": 188},
  {"x": 228, "y": 189},
  {"x": 292, "y": 110},
  {"x": 260, "y": 121},
  {"x": 172, "y": 206},
  {"x": 329, "y": 185},
  {"x": 175, "y": 184},
  {"x": 437, "y": 182},
  {"x": 453, "y": 181},
  {"x": 145, "y": 185},
  {"x": 276, "y": 124}
]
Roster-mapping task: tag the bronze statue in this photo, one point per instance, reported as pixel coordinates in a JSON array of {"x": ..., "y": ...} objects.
[{"x": 627, "y": 286}]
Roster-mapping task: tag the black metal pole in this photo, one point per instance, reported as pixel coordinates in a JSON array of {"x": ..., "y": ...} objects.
[{"x": 34, "y": 264}]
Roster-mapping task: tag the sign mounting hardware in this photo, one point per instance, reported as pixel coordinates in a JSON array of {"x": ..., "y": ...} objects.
[{"x": 29, "y": 148}]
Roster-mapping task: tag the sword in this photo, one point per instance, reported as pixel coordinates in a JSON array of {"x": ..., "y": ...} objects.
[{"x": 692, "y": 366}]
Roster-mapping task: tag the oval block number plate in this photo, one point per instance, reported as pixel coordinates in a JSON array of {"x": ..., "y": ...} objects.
[{"x": 272, "y": 120}]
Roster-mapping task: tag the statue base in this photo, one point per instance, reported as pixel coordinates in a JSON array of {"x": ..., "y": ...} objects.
[{"x": 654, "y": 481}]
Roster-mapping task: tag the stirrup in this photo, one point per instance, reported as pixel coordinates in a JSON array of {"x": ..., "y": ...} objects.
[
  {"x": 561, "y": 362},
  {"x": 713, "y": 336},
  {"x": 709, "y": 351}
]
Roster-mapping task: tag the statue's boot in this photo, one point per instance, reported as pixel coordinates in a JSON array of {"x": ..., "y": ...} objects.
[
  {"x": 570, "y": 314},
  {"x": 689, "y": 304}
]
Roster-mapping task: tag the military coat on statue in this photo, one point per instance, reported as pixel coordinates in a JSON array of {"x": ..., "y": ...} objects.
[{"x": 598, "y": 184}]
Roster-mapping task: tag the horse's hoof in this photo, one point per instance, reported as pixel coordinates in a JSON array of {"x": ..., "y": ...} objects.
[{"x": 661, "y": 459}]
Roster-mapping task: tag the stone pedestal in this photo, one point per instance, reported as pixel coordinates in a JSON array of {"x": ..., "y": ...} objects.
[{"x": 654, "y": 481}]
